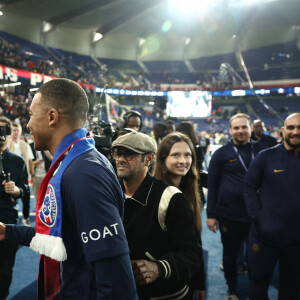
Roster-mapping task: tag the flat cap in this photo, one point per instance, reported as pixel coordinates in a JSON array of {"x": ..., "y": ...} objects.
[{"x": 137, "y": 142}]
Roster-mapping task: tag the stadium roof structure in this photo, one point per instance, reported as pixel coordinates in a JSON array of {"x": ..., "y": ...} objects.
[{"x": 153, "y": 29}]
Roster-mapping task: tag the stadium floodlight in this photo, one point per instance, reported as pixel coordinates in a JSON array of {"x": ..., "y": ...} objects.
[
  {"x": 187, "y": 41},
  {"x": 141, "y": 41},
  {"x": 46, "y": 26},
  {"x": 97, "y": 36}
]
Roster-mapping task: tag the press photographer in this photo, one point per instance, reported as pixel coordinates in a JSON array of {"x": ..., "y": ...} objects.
[{"x": 14, "y": 181}]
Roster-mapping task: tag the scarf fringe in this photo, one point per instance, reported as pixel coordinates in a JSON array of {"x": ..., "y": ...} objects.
[{"x": 48, "y": 245}]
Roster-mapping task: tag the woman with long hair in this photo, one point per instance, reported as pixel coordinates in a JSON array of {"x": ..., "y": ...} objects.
[
  {"x": 188, "y": 129},
  {"x": 176, "y": 165}
]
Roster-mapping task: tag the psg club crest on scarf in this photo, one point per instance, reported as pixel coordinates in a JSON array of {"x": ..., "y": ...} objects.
[{"x": 48, "y": 211}]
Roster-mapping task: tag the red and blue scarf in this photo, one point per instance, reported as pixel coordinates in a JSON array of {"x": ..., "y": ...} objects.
[{"x": 48, "y": 239}]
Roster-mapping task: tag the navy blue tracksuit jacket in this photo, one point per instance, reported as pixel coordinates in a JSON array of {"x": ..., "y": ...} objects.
[
  {"x": 272, "y": 196},
  {"x": 225, "y": 181}
]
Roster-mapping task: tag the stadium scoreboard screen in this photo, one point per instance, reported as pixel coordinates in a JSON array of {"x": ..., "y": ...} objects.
[{"x": 184, "y": 104}]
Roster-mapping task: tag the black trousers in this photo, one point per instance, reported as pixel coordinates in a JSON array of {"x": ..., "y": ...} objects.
[
  {"x": 7, "y": 259},
  {"x": 262, "y": 259},
  {"x": 233, "y": 234}
]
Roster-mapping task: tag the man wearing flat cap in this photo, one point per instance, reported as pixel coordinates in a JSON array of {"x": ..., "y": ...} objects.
[{"x": 158, "y": 221}]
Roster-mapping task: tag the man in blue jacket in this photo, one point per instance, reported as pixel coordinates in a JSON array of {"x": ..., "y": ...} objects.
[
  {"x": 225, "y": 204},
  {"x": 79, "y": 231},
  {"x": 272, "y": 198}
]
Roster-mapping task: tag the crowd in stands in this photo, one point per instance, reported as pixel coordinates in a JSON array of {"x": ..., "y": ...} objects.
[
  {"x": 12, "y": 55},
  {"x": 9, "y": 55},
  {"x": 59, "y": 64},
  {"x": 84, "y": 69},
  {"x": 276, "y": 62},
  {"x": 15, "y": 106}
]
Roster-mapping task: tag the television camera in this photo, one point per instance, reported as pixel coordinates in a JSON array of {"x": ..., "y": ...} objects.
[{"x": 103, "y": 131}]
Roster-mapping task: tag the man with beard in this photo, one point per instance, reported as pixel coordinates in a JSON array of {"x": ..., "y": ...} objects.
[
  {"x": 272, "y": 199},
  {"x": 158, "y": 221},
  {"x": 226, "y": 207}
]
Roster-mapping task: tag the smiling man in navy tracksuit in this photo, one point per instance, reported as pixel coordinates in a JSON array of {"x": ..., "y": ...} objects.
[
  {"x": 225, "y": 204},
  {"x": 272, "y": 189}
]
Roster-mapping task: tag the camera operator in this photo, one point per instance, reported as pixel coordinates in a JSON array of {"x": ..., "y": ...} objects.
[
  {"x": 104, "y": 133},
  {"x": 131, "y": 119},
  {"x": 14, "y": 181}
]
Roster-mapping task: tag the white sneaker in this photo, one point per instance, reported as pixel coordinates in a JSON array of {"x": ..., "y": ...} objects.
[{"x": 26, "y": 222}]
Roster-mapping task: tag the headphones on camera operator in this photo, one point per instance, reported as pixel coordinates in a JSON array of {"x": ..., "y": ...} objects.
[{"x": 123, "y": 121}]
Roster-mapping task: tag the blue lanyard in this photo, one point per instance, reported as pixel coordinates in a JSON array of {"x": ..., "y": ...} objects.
[{"x": 241, "y": 159}]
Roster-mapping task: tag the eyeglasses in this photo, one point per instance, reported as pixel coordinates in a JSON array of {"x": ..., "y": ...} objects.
[{"x": 128, "y": 155}]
